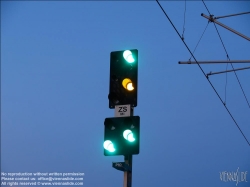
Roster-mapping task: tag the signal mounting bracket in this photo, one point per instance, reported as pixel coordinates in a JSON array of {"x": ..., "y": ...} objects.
[{"x": 122, "y": 166}]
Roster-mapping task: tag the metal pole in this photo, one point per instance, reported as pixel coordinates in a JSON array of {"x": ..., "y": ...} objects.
[
  {"x": 227, "y": 71},
  {"x": 128, "y": 174},
  {"x": 215, "y": 62},
  {"x": 231, "y": 15},
  {"x": 210, "y": 18},
  {"x": 128, "y": 160}
]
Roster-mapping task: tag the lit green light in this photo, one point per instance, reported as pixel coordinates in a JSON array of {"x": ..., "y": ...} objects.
[
  {"x": 128, "y": 56},
  {"x": 108, "y": 145},
  {"x": 128, "y": 135}
]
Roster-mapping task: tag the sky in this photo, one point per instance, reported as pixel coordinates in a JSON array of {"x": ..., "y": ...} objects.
[{"x": 55, "y": 58}]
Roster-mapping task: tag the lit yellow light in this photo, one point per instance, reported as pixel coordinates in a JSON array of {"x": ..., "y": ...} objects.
[
  {"x": 130, "y": 86},
  {"x": 127, "y": 84}
]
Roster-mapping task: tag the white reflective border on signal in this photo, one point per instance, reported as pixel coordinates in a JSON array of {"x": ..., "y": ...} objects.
[{"x": 122, "y": 110}]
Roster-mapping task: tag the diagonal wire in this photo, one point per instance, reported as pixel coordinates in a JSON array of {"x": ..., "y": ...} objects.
[
  {"x": 228, "y": 58},
  {"x": 199, "y": 41},
  {"x": 203, "y": 72},
  {"x": 226, "y": 66}
]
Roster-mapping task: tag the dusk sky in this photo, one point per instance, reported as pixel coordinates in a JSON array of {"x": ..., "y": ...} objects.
[{"x": 55, "y": 60}]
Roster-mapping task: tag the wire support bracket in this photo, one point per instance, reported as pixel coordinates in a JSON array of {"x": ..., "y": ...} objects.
[
  {"x": 232, "y": 70},
  {"x": 215, "y": 62},
  {"x": 212, "y": 19}
]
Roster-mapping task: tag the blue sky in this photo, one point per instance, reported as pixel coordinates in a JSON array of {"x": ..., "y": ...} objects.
[{"x": 55, "y": 83}]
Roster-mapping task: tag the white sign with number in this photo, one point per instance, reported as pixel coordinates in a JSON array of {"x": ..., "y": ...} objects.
[{"x": 122, "y": 110}]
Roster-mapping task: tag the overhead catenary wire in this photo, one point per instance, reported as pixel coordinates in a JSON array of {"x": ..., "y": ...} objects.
[
  {"x": 206, "y": 7},
  {"x": 226, "y": 53},
  {"x": 225, "y": 92},
  {"x": 203, "y": 72},
  {"x": 228, "y": 58}
]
